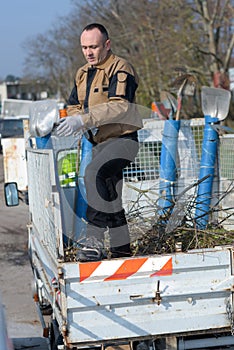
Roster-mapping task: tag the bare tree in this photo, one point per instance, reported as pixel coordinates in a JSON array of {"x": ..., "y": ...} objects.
[
  {"x": 156, "y": 36},
  {"x": 56, "y": 55},
  {"x": 216, "y": 18}
]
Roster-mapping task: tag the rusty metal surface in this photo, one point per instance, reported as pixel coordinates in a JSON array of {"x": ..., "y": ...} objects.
[{"x": 15, "y": 168}]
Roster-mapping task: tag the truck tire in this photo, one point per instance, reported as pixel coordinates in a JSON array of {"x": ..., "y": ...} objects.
[{"x": 44, "y": 304}]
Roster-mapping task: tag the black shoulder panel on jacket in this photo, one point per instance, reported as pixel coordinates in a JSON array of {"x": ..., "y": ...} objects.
[
  {"x": 73, "y": 98},
  {"x": 130, "y": 87}
]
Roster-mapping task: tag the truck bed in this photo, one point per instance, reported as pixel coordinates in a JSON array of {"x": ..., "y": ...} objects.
[{"x": 135, "y": 298}]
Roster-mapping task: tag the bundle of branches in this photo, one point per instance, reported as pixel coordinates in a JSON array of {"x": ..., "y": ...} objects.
[{"x": 183, "y": 239}]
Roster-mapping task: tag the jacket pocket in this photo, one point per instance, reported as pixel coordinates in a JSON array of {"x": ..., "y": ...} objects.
[{"x": 121, "y": 84}]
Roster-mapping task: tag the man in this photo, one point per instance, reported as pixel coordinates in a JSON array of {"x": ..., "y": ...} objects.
[{"x": 101, "y": 105}]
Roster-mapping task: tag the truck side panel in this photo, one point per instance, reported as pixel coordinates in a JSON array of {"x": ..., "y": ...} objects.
[{"x": 148, "y": 299}]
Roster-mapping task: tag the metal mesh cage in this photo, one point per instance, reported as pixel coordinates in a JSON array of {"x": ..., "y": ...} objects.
[
  {"x": 41, "y": 179},
  {"x": 142, "y": 178}
]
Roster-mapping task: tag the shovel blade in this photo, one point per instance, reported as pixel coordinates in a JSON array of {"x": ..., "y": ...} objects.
[{"x": 215, "y": 102}]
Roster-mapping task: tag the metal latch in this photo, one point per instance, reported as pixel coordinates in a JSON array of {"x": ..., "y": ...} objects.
[{"x": 157, "y": 297}]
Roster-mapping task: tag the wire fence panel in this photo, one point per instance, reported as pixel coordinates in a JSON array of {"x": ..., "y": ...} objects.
[
  {"x": 142, "y": 178},
  {"x": 49, "y": 172},
  {"x": 226, "y": 214},
  {"x": 42, "y": 207},
  {"x": 141, "y": 190}
]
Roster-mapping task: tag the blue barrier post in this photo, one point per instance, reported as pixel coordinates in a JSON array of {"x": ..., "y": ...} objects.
[
  {"x": 168, "y": 169},
  {"x": 81, "y": 202},
  {"x": 207, "y": 167},
  {"x": 44, "y": 142}
]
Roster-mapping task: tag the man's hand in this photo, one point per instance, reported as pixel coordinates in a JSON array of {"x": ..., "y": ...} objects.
[{"x": 69, "y": 125}]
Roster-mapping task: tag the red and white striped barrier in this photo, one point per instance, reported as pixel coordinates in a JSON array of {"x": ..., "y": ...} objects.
[{"x": 109, "y": 270}]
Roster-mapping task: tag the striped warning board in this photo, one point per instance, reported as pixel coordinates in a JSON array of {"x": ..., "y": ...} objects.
[{"x": 109, "y": 270}]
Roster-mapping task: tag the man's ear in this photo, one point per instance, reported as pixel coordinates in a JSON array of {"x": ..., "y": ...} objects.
[{"x": 108, "y": 44}]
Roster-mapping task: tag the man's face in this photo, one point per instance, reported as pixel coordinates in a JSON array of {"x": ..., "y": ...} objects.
[{"x": 95, "y": 48}]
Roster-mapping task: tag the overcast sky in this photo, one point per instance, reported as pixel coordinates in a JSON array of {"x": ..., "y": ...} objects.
[{"x": 21, "y": 19}]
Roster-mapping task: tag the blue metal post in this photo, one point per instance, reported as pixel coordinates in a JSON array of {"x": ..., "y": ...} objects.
[
  {"x": 81, "y": 203},
  {"x": 168, "y": 170},
  {"x": 207, "y": 167}
]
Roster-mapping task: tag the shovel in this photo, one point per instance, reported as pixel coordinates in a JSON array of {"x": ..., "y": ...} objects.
[
  {"x": 187, "y": 88},
  {"x": 215, "y": 107},
  {"x": 161, "y": 111},
  {"x": 215, "y": 102},
  {"x": 169, "y": 102}
]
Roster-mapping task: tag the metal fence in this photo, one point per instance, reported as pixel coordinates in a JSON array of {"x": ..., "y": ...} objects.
[
  {"x": 147, "y": 163},
  {"x": 226, "y": 183},
  {"x": 51, "y": 209},
  {"x": 141, "y": 181},
  {"x": 142, "y": 177},
  {"x": 41, "y": 178}
]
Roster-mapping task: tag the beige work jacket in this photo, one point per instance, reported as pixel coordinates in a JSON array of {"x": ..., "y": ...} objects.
[{"x": 107, "y": 102}]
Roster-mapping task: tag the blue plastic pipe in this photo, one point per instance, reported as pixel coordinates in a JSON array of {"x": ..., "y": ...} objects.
[
  {"x": 44, "y": 142},
  {"x": 207, "y": 167},
  {"x": 168, "y": 169},
  {"x": 81, "y": 202}
]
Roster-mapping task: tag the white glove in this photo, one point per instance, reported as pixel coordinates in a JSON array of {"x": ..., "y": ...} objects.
[{"x": 69, "y": 125}]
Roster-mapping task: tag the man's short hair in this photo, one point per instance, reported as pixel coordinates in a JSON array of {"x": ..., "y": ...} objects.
[{"x": 100, "y": 27}]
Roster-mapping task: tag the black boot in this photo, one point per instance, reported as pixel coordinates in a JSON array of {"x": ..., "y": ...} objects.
[
  {"x": 91, "y": 250},
  {"x": 121, "y": 251},
  {"x": 119, "y": 242}
]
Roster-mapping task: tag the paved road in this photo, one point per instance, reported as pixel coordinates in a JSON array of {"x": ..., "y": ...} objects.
[{"x": 16, "y": 276}]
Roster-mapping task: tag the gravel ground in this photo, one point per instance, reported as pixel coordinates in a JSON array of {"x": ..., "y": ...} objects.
[{"x": 16, "y": 276}]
